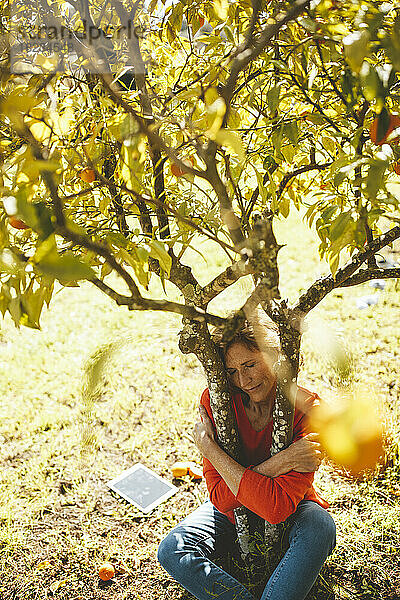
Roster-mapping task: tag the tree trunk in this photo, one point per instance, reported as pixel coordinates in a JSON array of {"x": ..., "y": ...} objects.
[{"x": 196, "y": 338}]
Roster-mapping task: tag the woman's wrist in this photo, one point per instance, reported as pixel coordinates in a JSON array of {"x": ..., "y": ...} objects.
[
  {"x": 279, "y": 464},
  {"x": 207, "y": 446},
  {"x": 288, "y": 463}
]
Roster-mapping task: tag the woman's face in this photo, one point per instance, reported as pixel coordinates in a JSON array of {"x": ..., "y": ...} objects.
[{"x": 248, "y": 371}]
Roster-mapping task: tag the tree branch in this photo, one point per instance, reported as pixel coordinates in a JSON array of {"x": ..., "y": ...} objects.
[
  {"x": 318, "y": 290},
  {"x": 80, "y": 240},
  {"x": 223, "y": 280},
  {"x": 299, "y": 171},
  {"x": 189, "y": 312},
  {"x": 368, "y": 274},
  {"x": 228, "y": 216},
  {"x": 245, "y": 54}
]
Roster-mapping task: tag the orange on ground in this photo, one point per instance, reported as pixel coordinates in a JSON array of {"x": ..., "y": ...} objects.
[
  {"x": 106, "y": 571},
  {"x": 195, "y": 471},
  {"x": 180, "y": 468},
  {"x": 394, "y": 122},
  {"x": 87, "y": 175},
  {"x": 17, "y": 223},
  {"x": 396, "y": 167}
]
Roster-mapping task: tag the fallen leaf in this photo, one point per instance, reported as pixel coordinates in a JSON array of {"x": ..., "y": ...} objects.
[
  {"x": 45, "y": 564},
  {"x": 57, "y": 584}
]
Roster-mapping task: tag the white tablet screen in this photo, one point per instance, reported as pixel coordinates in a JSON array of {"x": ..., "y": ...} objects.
[{"x": 142, "y": 487}]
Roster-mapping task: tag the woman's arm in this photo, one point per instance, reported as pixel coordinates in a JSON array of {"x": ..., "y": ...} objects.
[
  {"x": 231, "y": 485},
  {"x": 303, "y": 455},
  {"x": 204, "y": 438}
]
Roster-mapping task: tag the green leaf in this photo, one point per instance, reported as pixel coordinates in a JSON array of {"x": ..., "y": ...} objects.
[
  {"x": 328, "y": 213},
  {"x": 32, "y": 303},
  {"x": 339, "y": 225},
  {"x": 348, "y": 85},
  {"x": 221, "y": 8},
  {"x": 288, "y": 152},
  {"x": 276, "y": 138},
  {"x": 261, "y": 186},
  {"x": 137, "y": 258},
  {"x": 5, "y": 298},
  {"x": 371, "y": 84},
  {"x": 329, "y": 144},
  {"x": 159, "y": 251},
  {"x": 355, "y": 138},
  {"x": 175, "y": 19},
  {"x": 35, "y": 214},
  {"x": 284, "y": 206},
  {"x": 270, "y": 164},
  {"x": 117, "y": 239},
  {"x": 225, "y": 137},
  {"x": 65, "y": 268},
  {"x": 273, "y": 97},
  {"x": 14, "y": 308},
  {"x": 356, "y": 48},
  {"x": 333, "y": 263},
  {"x": 375, "y": 177}
]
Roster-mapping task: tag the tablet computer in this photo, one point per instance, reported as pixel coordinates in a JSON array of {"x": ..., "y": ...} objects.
[{"x": 142, "y": 487}]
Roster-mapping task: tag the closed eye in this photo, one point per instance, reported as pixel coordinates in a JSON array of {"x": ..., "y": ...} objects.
[{"x": 247, "y": 366}]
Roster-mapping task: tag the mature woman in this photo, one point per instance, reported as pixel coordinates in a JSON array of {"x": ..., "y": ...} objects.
[{"x": 278, "y": 488}]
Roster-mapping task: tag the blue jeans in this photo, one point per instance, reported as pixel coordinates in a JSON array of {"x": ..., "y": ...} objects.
[{"x": 188, "y": 551}]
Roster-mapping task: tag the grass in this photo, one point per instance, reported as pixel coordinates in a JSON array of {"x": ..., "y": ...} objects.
[{"x": 61, "y": 441}]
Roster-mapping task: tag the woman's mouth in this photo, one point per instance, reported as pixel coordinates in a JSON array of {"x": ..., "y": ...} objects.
[{"x": 253, "y": 388}]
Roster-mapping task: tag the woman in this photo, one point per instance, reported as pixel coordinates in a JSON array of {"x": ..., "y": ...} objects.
[{"x": 277, "y": 488}]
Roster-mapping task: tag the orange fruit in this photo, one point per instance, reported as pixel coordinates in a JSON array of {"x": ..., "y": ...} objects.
[
  {"x": 87, "y": 175},
  {"x": 370, "y": 454},
  {"x": 396, "y": 167},
  {"x": 106, "y": 571},
  {"x": 195, "y": 471},
  {"x": 180, "y": 468},
  {"x": 177, "y": 171},
  {"x": 394, "y": 122},
  {"x": 350, "y": 432},
  {"x": 17, "y": 223}
]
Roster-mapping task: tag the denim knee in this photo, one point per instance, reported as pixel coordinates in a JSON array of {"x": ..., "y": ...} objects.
[
  {"x": 318, "y": 525},
  {"x": 166, "y": 550},
  {"x": 330, "y": 531},
  {"x": 325, "y": 528}
]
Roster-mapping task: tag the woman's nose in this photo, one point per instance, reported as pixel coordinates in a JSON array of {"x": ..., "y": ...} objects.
[{"x": 244, "y": 379}]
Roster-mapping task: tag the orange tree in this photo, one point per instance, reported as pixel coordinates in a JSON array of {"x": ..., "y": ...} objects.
[{"x": 214, "y": 120}]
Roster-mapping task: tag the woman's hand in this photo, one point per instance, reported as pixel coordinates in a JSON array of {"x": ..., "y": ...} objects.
[
  {"x": 203, "y": 432},
  {"x": 305, "y": 455}
]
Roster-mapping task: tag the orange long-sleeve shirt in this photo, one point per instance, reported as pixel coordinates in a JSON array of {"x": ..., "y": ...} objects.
[{"x": 272, "y": 498}]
